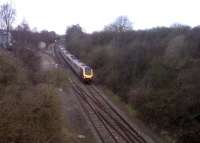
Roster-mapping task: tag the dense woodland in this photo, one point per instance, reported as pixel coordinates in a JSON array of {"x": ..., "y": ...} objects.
[{"x": 154, "y": 71}]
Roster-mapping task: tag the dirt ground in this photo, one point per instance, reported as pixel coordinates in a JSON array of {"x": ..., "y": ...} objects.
[
  {"x": 47, "y": 62},
  {"x": 76, "y": 122}
]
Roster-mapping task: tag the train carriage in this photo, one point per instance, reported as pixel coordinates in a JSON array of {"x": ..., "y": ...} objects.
[{"x": 82, "y": 70}]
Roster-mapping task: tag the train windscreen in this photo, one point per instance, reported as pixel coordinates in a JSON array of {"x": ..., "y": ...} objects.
[{"x": 88, "y": 71}]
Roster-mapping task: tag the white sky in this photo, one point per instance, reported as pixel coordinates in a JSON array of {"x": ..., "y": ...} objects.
[{"x": 93, "y": 15}]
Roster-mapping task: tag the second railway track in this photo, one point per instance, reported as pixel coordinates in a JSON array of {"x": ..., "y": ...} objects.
[{"x": 108, "y": 123}]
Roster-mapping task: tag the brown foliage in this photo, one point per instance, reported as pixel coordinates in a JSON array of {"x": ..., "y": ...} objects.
[{"x": 30, "y": 111}]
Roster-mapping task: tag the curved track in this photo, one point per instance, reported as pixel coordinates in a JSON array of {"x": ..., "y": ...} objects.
[{"x": 109, "y": 124}]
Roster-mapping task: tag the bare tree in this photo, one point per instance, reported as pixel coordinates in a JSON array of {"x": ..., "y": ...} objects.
[
  {"x": 73, "y": 32},
  {"x": 7, "y": 16},
  {"x": 121, "y": 24},
  {"x": 74, "y": 29},
  {"x": 24, "y": 26}
]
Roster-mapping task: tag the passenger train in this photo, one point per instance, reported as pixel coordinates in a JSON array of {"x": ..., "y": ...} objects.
[{"x": 83, "y": 71}]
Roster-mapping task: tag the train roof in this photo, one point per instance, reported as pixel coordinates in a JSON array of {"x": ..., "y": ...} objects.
[{"x": 74, "y": 59}]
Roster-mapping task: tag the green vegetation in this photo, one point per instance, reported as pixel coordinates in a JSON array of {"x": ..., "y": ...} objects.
[{"x": 154, "y": 71}]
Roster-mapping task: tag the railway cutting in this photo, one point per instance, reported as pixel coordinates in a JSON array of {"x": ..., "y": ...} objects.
[{"x": 109, "y": 125}]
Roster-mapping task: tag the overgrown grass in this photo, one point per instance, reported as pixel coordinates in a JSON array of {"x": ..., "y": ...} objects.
[{"x": 55, "y": 77}]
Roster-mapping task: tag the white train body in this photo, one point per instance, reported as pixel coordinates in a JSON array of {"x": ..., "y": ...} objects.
[{"x": 81, "y": 69}]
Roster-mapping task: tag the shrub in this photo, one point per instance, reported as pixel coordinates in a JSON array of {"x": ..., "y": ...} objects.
[
  {"x": 54, "y": 77},
  {"x": 30, "y": 112}
]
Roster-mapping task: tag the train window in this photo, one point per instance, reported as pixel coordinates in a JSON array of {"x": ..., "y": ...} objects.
[
  {"x": 73, "y": 57},
  {"x": 88, "y": 71}
]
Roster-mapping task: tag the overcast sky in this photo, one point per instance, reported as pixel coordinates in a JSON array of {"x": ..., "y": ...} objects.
[{"x": 93, "y": 15}]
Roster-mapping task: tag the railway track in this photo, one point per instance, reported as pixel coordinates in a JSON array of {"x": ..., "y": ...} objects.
[
  {"x": 108, "y": 123},
  {"x": 121, "y": 122}
]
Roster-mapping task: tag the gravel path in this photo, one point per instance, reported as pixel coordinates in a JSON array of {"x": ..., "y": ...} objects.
[{"x": 47, "y": 62}]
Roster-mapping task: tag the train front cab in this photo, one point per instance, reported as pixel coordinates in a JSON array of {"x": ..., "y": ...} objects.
[{"x": 87, "y": 75}]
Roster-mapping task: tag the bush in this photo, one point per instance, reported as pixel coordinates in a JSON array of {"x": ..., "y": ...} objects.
[
  {"x": 30, "y": 112},
  {"x": 55, "y": 77},
  {"x": 32, "y": 116},
  {"x": 11, "y": 71}
]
